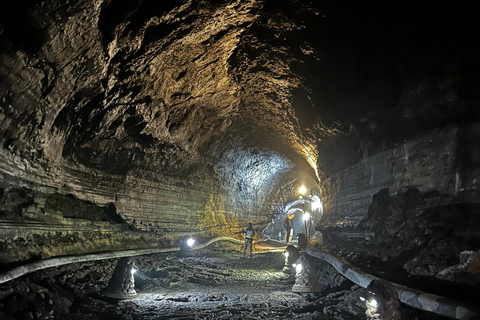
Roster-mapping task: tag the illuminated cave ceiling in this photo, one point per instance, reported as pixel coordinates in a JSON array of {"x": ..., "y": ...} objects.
[
  {"x": 193, "y": 95},
  {"x": 158, "y": 85},
  {"x": 125, "y": 101}
]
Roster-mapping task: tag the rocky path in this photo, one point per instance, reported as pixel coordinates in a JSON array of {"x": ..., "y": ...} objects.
[{"x": 214, "y": 283}]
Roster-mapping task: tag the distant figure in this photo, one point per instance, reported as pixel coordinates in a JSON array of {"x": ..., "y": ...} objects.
[
  {"x": 288, "y": 227},
  {"x": 249, "y": 234}
]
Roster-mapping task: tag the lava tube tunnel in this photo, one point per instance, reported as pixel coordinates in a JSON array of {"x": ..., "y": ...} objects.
[{"x": 240, "y": 159}]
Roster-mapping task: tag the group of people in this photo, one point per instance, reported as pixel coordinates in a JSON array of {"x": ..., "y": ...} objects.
[{"x": 249, "y": 233}]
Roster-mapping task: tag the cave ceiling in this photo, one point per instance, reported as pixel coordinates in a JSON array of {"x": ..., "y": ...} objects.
[
  {"x": 175, "y": 86},
  {"x": 117, "y": 84}
]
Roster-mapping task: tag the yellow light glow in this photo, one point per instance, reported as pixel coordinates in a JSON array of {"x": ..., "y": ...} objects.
[
  {"x": 311, "y": 154},
  {"x": 302, "y": 190}
]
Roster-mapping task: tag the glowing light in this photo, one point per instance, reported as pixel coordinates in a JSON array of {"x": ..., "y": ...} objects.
[
  {"x": 286, "y": 254},
  {"x": 302, "y": 190},
  {"x": 362, "y": 298},
  {"x": 190, "y": 242},
  {"x": 133, "y": 270},
  {"x": 306, "y": 216},
  {"x": 374, "y": 303},
  {"x": 316, "y": 203},
  {"x": 288, "y": 207},
  {"x": 298, "y": 267}
]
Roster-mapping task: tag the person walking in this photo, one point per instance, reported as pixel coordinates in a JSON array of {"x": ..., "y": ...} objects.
[
  {"x": 249, "y": 234},
  {"x": 288, "y": 227}
]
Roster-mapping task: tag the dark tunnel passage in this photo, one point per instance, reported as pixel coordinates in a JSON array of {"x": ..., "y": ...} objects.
[{"x": 129, "y": 127}]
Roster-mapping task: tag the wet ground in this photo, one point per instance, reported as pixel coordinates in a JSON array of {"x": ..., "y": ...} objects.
[{"x": 213, "y": 283}]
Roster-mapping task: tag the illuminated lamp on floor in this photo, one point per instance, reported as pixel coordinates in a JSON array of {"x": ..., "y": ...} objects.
[
  {"x": 122, "y": 283},
  {"x": 186, "y": 247},
  {"x": 305, "y": 275},
  {"x": 291, "y": 256}
]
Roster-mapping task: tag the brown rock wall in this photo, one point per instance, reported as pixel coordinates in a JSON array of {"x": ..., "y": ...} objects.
[{"x": 426, "y": 163}]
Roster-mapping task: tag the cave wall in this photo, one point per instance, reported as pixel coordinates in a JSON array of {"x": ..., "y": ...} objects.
[
  {"x": 414, "y": 207},
  {"x": 152, "y": 209},
  {"x": 427, "y": 163},
  {"x": 178, "y": 114},
  {"x": 399, "y": 174},
  {"x": 444, "y": 160}
]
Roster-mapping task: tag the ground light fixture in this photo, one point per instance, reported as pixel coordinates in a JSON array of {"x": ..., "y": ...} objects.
[
  {"x": 291, "y": 256},
  {"x": 372, "y": 306},
  {"x": 190, "y": 242},
  {"x": 186, "y": 246},
  {"x": 305, "y": 275},
  {"x": 298, "y": 267},
  {"x": 122, "y": 283}
]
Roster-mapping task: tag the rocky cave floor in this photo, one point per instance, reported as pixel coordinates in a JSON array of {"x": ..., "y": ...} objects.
[{"x": 213, "y": 283}]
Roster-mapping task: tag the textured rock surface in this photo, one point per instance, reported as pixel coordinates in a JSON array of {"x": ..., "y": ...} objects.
[
  {"x": 129, "y": 124},
  {"x": 427, "y": 163},
  {"x": 214, "y": 284},
  {"x": 411, "y": 212},
  {"x": 177, "y": 115}
]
